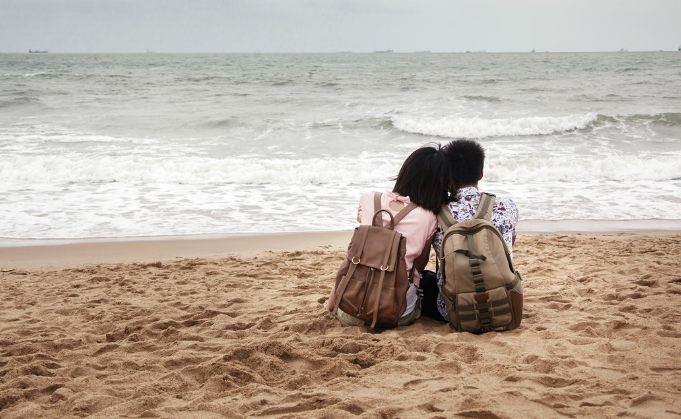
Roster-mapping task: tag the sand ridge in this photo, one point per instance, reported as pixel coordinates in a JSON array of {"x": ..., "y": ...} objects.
[{"x": 247, "y": 336}]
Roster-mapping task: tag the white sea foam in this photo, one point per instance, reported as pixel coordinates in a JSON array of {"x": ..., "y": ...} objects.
[
  {"x": 59, "y": 135},
  {"x": 195, "y": 170},
  {"x": 132, "y": 210},
  {"x": 279, "y": 171},
  {"x": 583, "y": 168},
  {"x": 457, "y": 127}
]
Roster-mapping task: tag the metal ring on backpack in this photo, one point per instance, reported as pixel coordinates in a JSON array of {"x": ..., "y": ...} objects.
[
  {"x": 358, "y": 260},
  {"x": 386, "y": 267}
]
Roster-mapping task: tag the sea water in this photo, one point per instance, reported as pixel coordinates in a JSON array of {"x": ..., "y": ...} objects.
[{"x": 109, "y": 146}]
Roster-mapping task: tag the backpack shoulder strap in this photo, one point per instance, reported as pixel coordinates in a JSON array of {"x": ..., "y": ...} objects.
[
  {"x": 445, "y": 218},
  {"x": 485, "y": 206},
  {"x": 404, "y": 211},
  {"x": 377, "y": 201}
]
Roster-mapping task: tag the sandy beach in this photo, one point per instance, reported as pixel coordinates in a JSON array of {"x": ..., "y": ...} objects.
[{"x": 235, "y": 328}]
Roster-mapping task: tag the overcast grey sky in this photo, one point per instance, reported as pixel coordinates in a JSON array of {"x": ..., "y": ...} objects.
[{"x": 338, "y": 25}]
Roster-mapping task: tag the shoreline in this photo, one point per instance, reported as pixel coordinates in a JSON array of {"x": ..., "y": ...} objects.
[
  {"x": 524, "y": 227},
  {"x": 60, "y": 254}
]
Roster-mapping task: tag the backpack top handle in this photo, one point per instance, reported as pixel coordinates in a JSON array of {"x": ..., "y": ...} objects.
[{"x": 376, "y": 223}]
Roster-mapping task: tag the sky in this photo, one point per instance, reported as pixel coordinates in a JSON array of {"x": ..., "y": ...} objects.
[{"x": 275, "y": 26}]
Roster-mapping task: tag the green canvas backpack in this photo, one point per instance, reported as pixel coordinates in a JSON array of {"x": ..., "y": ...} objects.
[{"x": 481, "y": 289}]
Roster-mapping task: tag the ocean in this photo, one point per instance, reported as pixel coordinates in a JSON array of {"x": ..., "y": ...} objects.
[{"x": 148, "y": 145}]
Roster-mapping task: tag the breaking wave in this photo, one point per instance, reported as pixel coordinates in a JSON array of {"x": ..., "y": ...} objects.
[
  {"x": 666, "y": 119},
  {"x": 196, "y": 170},
  {"x": 343, "y": 170},
  {"x": 476, "y": 128},
  {"x": 483, "y": 128},
  {"x": 621, "y": 168}
]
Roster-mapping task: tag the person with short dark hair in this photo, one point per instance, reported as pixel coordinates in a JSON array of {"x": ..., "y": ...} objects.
[
  {"x": 423, "y": 180},
  {"x": 466, "y": 161}
]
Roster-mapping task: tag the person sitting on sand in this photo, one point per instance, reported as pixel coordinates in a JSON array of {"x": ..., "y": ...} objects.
[
  {"x": 423, "y": 180},
  {"x": 466, "y": 160}
]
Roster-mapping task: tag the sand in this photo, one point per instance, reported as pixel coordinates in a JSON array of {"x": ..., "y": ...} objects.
[
  {"x": 245, "y": 334},
  {"x": 63, "y": 253}
]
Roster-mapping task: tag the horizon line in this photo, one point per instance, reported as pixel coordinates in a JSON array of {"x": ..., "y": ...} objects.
[{"x": 329, "y": 52}]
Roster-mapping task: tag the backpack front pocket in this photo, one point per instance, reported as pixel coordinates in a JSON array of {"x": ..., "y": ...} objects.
[{"x": 476, "y": 311}]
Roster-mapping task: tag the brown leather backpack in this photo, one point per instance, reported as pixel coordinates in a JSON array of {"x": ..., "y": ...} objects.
[
  {"x": 372, "y": 281},
  {"x": 481, "y": 288}
]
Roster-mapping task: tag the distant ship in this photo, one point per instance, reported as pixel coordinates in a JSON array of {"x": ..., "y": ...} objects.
[
  {"x": 422, "y": 52},
  {"x": 30, "y": 51},
  {"x": 388, "y": 51},
  {"x": 624, "y": 50},
  {"x": 151, "y": 51},
  {"x": 679, "y": 47}
]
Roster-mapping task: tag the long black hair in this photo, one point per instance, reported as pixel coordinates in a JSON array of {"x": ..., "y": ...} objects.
[{"x": 424, "y": 178}]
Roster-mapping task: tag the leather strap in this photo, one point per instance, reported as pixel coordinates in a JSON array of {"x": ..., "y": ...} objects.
[
  {"x": 380, "y": 223},
  {"x": 377, "y": 201},
  {"x": 404, "y": 211},
  {"x": 384, "y": 266},
  {"x": 341, "y": 288},
  {"x": 378, "y": 297},
  {"x": 362, "y": 232}
]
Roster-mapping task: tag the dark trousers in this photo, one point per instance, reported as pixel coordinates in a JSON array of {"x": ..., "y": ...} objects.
[{"x": 430, "y": 291}]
